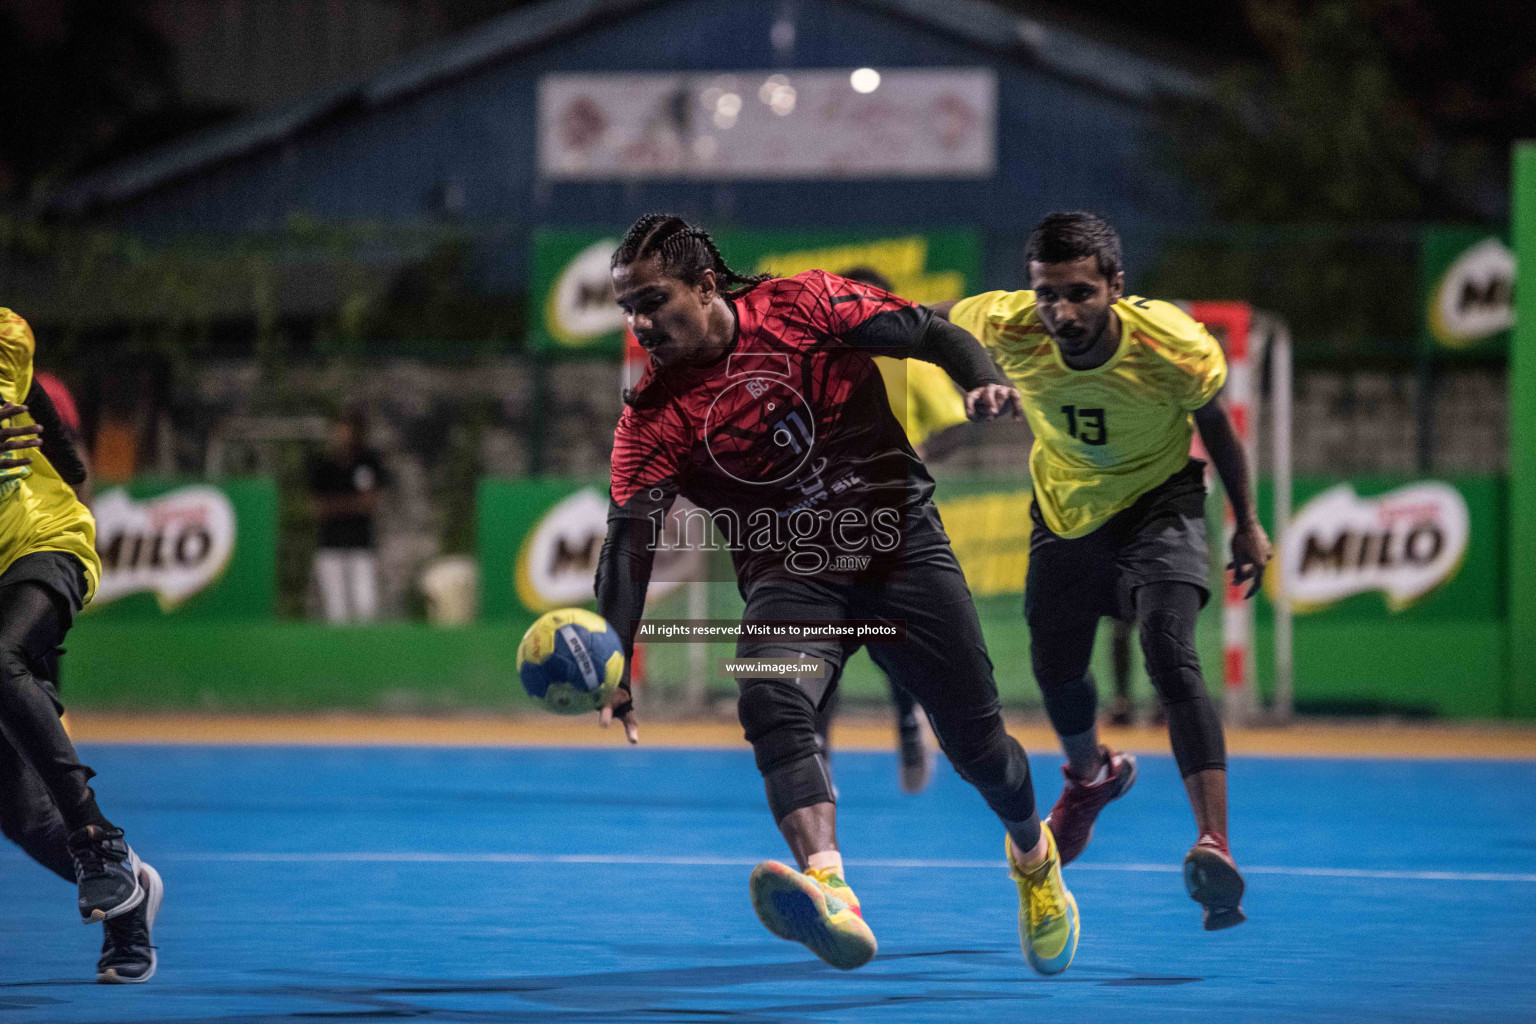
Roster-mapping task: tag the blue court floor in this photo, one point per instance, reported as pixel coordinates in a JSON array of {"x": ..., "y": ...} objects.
[{"x": 610, "y": 885}]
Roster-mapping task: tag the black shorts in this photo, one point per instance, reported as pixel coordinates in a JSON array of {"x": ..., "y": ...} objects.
[
  {"x": 943, "y": 661},
  {"x": 58, "y": 572},
  {"x": 1159, "y": 539}
]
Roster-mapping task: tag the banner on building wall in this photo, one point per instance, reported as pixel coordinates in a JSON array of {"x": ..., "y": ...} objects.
[
  {"x": 572, "y": 295},
  {"x": 191, "y": 550},
  {"x": 850, "y": 123},
  {"x": 539, "y": 543},
  {"x": 1467, "y": 288}
]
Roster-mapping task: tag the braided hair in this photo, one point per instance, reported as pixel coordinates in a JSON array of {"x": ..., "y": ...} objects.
[{"x": 685, "y": 253}]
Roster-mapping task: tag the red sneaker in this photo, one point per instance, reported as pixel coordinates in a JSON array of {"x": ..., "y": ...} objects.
[
  {"x": 1213, "y": 881},
  {"x": 1078, "y": 807}
]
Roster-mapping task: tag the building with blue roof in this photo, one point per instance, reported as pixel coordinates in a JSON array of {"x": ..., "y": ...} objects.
[{"x": 452, "y": 133}]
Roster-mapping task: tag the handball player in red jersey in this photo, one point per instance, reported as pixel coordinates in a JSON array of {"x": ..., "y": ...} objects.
[{"x": 762, "y": 406}]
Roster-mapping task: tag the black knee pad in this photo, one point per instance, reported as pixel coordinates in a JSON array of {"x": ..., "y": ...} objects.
[
  {"x": 780, "y": 723},
  {"x": 1194, "y": 727},
  {"x": 1167, "y": 640}
]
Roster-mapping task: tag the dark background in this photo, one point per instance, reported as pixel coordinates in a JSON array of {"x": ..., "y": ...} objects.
[{"x": 1331, "y": 110}]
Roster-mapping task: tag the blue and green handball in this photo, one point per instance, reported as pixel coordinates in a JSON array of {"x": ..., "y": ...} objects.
[{"x": 570, "y": 661}]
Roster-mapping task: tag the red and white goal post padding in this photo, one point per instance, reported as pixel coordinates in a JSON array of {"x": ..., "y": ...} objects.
[{"x": 1246, "y": 336}]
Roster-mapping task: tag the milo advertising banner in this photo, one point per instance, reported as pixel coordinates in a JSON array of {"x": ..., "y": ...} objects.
[
  {"x": 572, "y": 308},
  {"x": 192, "y": 550},
  {"x": 1467, "y": 289},
  {"x": 539, "y": 542},
  {"x": 1428, "y": 549}
]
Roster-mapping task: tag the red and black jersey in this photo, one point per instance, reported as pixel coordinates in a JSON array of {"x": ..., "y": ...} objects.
[{"x": 794, "y": 418}]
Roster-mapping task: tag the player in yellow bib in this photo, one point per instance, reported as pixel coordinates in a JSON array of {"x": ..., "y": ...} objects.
[
  {"x": 48, "y": 572},
  {"x": 1110, "y": 384}
]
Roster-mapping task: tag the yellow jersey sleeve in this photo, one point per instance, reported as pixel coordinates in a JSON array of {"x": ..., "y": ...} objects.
[
  {"x": 16, "y": 348},
  {"x": 1184, "y": 342},
  {"x": 971, "y": 313}
]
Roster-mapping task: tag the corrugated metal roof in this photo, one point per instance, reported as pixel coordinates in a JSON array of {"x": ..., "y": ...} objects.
[
  {"x": 1063, "y": 51},
  {"x": 1010, "y": 36}
]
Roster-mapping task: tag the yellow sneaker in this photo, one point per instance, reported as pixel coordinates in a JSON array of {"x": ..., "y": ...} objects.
[
  {"x": 815, "y": 909},
  {"x": 1048, "y": 922}
]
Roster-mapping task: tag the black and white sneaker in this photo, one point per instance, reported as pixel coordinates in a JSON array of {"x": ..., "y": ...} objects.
[
  {"x": 128, "y": 950},
  {"x": 107, "y": 871}
]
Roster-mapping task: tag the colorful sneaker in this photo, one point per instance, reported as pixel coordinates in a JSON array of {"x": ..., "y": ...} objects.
[
  {"x": 1079, "y": 805},
  {"x": 916, "y": 758},
  {"x": 107, "y": 871},
  {"x": 128, "y": 949},
  {"x": 1048, "y": 921},
  {"x": 815, "y": 909},
  {"x": 1213, "y": 881}
]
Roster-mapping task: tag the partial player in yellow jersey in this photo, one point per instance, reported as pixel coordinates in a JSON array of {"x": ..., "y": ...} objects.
[
  {"x": 1110, "y": 384},
  {"x": 930, "y": 409},
  {"x": 48, "y": 572}
]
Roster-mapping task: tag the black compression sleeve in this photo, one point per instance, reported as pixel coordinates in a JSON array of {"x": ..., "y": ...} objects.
[
  {"x": 623, "y": 573},
  {"x": 960, "y": 354},
  {"x": 914, "y": 332},
  {"x": 59, "y": 442}
]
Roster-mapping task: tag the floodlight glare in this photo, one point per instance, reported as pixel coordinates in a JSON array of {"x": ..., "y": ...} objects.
[{"x": 864, "y": 80}]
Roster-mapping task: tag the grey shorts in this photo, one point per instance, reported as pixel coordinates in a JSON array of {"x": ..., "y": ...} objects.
[{"x": 1159, "y": 539}]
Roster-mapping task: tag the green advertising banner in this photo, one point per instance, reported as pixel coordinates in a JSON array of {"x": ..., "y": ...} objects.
[
  {"x": 188, "y": 550},
  {"x": 1466, "y": 292},
  {"x": 1383, "y": 549},
  {"x": 539, "y": 540},
  {"x": 538, "y": 543},
  {"x": 571, "y": 299},
  {"x": 1392, "y": 550}
]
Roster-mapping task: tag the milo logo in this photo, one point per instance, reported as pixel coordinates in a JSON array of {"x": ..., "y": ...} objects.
[
  {"x": 579, "y": 309},
  {"x": 174, "y": 546},
  {"x": 557, "y": 561},
  {"x": 1475, "y": 297},
  {"x": 1404, "y": 543}
]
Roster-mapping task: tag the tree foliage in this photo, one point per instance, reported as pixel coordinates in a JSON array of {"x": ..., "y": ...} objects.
[{"x": 1359, "y": 110}]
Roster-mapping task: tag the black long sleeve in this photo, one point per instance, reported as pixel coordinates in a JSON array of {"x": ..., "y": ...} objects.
[
  {"x": 958, "y": 353},
  {"x": 623, "y": 574},
  {"x": 913, "y": 332}
]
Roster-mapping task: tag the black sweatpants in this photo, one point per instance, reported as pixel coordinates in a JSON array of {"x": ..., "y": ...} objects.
[
  {"x": 943, "y": 663},
  {"x": 44, "y": 789}
]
